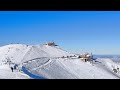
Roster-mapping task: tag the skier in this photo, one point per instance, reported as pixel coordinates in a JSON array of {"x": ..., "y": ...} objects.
[
  {"x": 15, "y": 66},
  {"x": 12, "y": 69},
  {"x": 118, "y": 69}
]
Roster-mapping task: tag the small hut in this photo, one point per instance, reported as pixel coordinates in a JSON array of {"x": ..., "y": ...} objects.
[
  {"x": 51, "y": 44},
  {"x": 86, "y": 57}
]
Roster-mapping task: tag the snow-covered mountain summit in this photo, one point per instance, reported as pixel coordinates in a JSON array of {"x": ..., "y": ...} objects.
[{"x": 19, "y": 53}]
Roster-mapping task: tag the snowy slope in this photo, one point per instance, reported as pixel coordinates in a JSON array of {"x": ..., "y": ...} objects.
[
  {"x": 5, "y": 73},
  {"x": 14, "y": 52},
  {"x": 110, "y": 64},
  {"x": 54, "y": 51},
  {"x": 19, "y": 53},
  {"x": 45, "y": 61},
  {"x": 69, "y": 69},
  {"x": 34, "y": 52}
]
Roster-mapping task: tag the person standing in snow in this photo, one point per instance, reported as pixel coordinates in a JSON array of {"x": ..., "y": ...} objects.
[
  {"x": 15, "y": 66},
  {"x": 118, "y": 69},
  {"x": 12, "y": 69}
]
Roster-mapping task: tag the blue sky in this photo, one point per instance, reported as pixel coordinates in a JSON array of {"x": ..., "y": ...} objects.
[{"x": 75, "y": 31}]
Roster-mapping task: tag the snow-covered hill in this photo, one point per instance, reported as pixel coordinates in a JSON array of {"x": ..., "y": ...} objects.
[
  {"x": 46, "y": 61},
  {"x": 19, "y": 53}
]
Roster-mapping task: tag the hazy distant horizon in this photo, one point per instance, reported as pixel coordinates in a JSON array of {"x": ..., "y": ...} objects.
[{"x": 75, "y": 31}]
